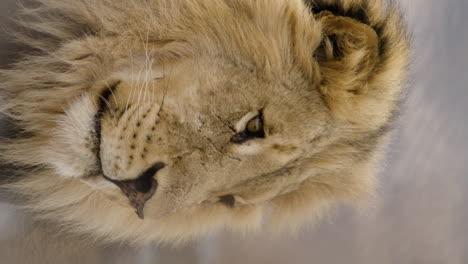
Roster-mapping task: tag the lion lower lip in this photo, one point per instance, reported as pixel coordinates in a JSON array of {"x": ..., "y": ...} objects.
[{"x": 228, "y": 200}]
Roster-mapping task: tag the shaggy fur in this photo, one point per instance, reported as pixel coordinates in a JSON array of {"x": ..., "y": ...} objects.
[{"x": 178, "y": 80}]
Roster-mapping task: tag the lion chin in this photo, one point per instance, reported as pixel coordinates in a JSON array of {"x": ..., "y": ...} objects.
[{"x": 163, "y": 120}]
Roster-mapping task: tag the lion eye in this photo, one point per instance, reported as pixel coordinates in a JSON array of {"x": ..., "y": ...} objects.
[
  {"x": 253, "y": 129},
  {"x": 255, "y": 125}
]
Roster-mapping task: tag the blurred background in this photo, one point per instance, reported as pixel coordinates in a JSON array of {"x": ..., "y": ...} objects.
[{"x": 420, "y": 216}]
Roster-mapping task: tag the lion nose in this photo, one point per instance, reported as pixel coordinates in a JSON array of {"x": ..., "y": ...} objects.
[
  {"x": 141, "y": 189},
  {"x": 144, "y": 182}
]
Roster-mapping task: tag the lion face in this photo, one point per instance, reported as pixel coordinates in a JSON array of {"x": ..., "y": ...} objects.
[
  {"x": 215, "y": 141},
  {"x": 168, "y": 132}
]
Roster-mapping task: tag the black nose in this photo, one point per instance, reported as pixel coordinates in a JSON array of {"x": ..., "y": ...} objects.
[
  {"x": 144, "y": 182},
  {"x": 141, "y": 189}
]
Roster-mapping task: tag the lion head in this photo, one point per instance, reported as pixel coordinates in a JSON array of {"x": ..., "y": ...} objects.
[{"x": 164, "y": 119}]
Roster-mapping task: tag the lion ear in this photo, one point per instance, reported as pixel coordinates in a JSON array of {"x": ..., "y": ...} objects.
[{"x": 347, "y": 57}]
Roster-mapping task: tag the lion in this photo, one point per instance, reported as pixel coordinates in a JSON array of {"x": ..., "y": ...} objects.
[{"x": 164, "y": 120}]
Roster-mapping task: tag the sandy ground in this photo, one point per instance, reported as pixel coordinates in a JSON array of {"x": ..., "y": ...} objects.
[{"x": 421, "y": 214}]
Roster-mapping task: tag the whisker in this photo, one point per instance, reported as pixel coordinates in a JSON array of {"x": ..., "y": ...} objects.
[
  {"x": 109, "y": 107},
  {"x": 147, "y": 61},
  {"x": 131, "y": 81}
]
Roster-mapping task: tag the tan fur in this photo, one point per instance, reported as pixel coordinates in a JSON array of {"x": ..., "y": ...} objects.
[{"x": 186, "y": 73}]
